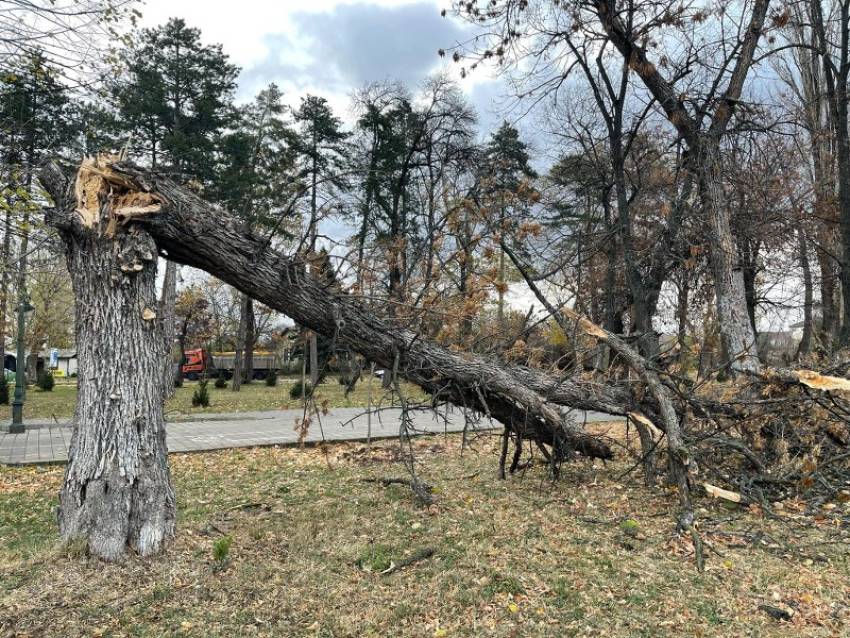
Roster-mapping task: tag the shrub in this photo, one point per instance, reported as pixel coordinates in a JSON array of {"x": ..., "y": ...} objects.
[
  {"x": 201, "y": 397},
  {"x": 344, "y": 378},
  {"x": 221, "y": 551},
  {"x": 45, "y": 381},
  {"x": 4, "y": 390},
  {"x": 630, "y": 527},
  {"x": 301, "y": 390},
  {"x": 271, "y": 379},
  {"x": 221, "y": 380}
]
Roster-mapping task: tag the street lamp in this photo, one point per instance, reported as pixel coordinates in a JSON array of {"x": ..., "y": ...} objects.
[{"x": 24, "y": 310}]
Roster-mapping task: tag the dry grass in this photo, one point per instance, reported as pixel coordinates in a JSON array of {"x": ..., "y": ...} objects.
[
  {"x": 516, "y": 558},
  {"x": 256, "y": 396}
]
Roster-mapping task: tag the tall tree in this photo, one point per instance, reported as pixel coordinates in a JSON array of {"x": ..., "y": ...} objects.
[
  {"x": 322, "y": 148},
  {"x": 506, "y": 172},
  {"x": 174, "y": 102},
  {"x": 35, "y": 122},
  {"x": 256, "y": 178},
  {"x": 831, "y": 38},
  {"x": 175, "y": 99},
  {"x": 803, "y": 72}
]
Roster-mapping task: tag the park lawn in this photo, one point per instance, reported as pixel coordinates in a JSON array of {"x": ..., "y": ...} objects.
[
  {"x": 257, "y": 396},
  {"x": 520, "y": 558}
]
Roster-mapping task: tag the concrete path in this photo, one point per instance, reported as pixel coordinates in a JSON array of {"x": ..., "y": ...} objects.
[{"x": 47, "y": 442}]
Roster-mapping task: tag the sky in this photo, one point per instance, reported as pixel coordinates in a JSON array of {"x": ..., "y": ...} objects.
[{"x": 332, "y": 47}]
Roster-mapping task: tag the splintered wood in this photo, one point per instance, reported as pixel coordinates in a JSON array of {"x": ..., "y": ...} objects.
[
  {"x": 822, "y": 381},
  {"x": 97, "y": 185}
]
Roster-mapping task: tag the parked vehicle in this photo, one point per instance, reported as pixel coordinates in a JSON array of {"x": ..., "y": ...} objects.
[
  {"x": 196, "y": 363},
  {"x": 200, "y": 362}
]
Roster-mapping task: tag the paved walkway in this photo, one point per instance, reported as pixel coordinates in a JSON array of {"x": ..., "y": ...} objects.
[{"x": 47, "y": 442}]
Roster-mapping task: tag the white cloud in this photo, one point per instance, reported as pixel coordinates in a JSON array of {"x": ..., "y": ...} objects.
[{"x": 329, "y": 47}]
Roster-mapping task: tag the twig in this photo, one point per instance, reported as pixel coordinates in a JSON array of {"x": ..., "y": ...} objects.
[{"x": 421, "y": 554}]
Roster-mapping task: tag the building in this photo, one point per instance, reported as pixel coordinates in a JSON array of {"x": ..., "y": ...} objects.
[{"x": 66, "y": 362}]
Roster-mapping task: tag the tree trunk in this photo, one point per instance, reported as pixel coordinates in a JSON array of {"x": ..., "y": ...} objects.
[
  {"x": 749, "y": 266},
  {"x": 238, "y": 366},
  {"x": 250, "y": 338},
  {"x": 832, "y": 38},
  {"x": 117, "y": 492},
  {"x": 808, "y": 295},
  {"x": 736, "y": 331},
  {"x": 314, "y": 359},
  {"x": 828, "y": 289},
  {"x": 167, "y": 303}
]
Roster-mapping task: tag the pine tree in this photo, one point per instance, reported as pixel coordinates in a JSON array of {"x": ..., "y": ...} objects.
[
  {"x": 507, "y": 159},
  {"x": 506, "y": 169},
  {"x": 322, "y": 148},
  {"x": 175, "y": 99},
  {"x": 255, "y": 182},
  {"x": 258, "y": 161},
  {"x": 323, "y": 151}
]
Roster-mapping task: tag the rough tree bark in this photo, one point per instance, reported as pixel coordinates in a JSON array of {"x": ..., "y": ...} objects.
[
  {"x": 238, "y": 357},
  {"x": 250, "y": 339},
  {"x": 117, "y": 492},
  {"x": 167, "y": 307}
]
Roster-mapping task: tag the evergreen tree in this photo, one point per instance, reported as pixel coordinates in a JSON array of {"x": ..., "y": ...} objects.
[
  {"x": 506, "y": 171},
  {"x": 322, "y": 149},
  {"x": 175, "y": 99},
  {"x": 506, "y": 161},
  {"x": 258, "y": 161}
]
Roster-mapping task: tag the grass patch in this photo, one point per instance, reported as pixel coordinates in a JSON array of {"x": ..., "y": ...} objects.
[
  {"x": 254, "y": 397},
  {"x": 521, "y": 557},
  {"x": 375, "y": 558}
]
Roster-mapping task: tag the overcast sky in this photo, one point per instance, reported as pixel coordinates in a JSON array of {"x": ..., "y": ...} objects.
[{"x": 331, "y": 47}]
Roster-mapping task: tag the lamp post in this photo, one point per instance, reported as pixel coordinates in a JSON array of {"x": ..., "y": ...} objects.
[{"x": 24, "y": 307}]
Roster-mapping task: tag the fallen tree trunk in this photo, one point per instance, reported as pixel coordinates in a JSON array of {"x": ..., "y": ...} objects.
[{"x": 193, "y": 232}]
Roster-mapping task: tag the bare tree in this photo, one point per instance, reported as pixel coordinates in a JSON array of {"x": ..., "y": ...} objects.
[{"x": 515, "y": 30}]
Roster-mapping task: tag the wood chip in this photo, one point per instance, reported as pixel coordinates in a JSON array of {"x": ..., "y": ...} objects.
[{"x": 719, "y": 492}]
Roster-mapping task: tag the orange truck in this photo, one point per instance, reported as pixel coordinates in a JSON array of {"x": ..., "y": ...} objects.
[{"x": 199, "y": 362}]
